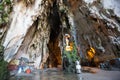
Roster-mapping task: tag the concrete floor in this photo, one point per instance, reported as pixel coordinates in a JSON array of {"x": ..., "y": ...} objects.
[
  {"x": 100, "y": 75},
  {"x": 55, "y": 74}
]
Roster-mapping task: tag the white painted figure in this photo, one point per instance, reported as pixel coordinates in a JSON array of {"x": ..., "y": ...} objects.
[
  {"x": 67, "y": 36},
  {"x": 78, "y": 67},
  {"x": 19, "y": 70}
]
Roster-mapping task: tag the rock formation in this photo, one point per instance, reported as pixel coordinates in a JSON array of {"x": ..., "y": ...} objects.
[{"x": 35, "y": 29}]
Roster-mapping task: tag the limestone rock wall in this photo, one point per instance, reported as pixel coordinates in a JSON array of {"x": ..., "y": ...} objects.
[
  {"x": 28, "y": 32},
  {"x": 97, "y": 25},
  {"x": 36, "y": 29}
]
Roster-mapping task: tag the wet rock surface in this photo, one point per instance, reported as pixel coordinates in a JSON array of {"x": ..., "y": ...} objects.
[
  {"x": 47, "y": 74},
  {"x": 100, "y": 75},
  {"x": 56, "y": 74},
  {"x": 36, "y": 31}
]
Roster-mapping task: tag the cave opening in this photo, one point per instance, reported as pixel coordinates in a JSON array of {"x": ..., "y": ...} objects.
[{"x": 54, "y": 59}]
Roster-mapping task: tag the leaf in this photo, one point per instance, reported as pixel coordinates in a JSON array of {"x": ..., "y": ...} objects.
[
  {"x": 1, "y": 7},
  {"x": 8, "y": 1}
]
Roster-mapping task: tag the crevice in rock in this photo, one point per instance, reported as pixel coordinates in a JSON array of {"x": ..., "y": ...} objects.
[
  {"x": 28, "y": 38},
  {"x": 54, "y": 58}
]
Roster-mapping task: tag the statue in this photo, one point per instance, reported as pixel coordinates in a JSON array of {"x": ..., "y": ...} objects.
[
  {"x": 69, "y": 56},
  {"x": 78, "y": 67}
]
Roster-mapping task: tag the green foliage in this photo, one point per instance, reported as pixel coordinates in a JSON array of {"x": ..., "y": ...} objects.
[
  {"x": 72, "y": 55},
  {"x": 1, "y": 7},
  {"x": 1, "y": 49},
  {"x": 5, "y": 9},
  {"x": 4, "y": 73},
  {"x": 8, "y": 1},
  {"x": 1, "y": 52}
]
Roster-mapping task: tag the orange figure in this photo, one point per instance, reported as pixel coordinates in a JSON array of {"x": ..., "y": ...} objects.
[{"x": 28, "y": 71}]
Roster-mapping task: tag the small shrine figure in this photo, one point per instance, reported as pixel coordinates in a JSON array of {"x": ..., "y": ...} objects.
[
  {"x": 68, "y": 46},
  {"x": 78, "y": 67},
  {"x": 67, "y": 36}
]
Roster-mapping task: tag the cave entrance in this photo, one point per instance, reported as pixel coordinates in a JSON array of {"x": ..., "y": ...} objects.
[{"x": 54, "y": 59}]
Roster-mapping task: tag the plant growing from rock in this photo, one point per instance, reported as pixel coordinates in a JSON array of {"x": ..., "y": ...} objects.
[
  {"x": 70, "y": 57},
  {"x": 5, "y": 9},
  {"x": 4, "y": 73}
]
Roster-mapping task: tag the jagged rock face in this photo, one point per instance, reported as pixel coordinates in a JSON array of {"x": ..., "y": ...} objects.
[
  {"x": 97, "y": 25},
  {"x": 28, "y": 34},
  {"x": 34, "y": 33},
  {"x": 37, "y": 28}
]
